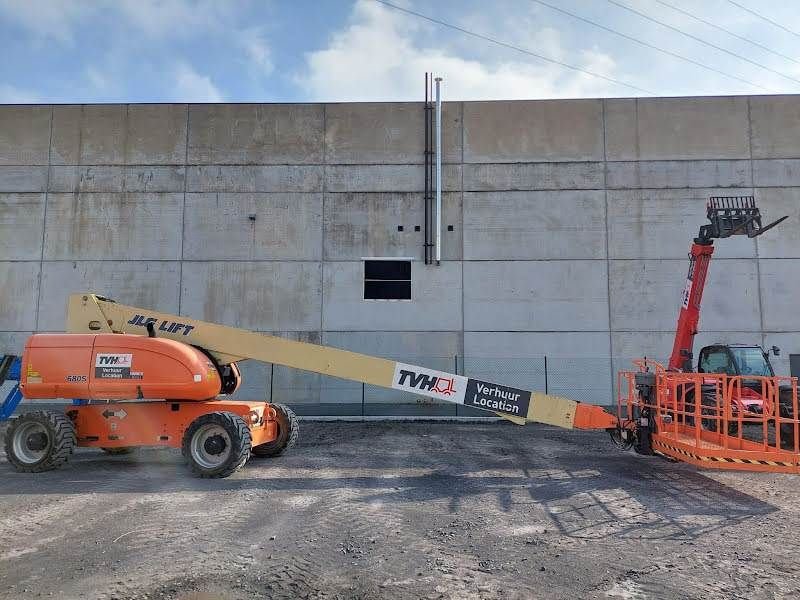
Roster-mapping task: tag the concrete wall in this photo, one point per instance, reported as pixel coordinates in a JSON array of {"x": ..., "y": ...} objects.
[{"x": 571, "y": 223}]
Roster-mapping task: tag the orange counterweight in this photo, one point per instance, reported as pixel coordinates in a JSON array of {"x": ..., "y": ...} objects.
[{"x": 110, "y": 366}]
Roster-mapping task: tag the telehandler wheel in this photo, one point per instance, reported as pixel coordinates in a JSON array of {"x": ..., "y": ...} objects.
[
  {"x": 119, "y": 450},
  {"x": 288, "y": 431},
  {"x": 39, "y": 441},
  {"x": 216, "y": 444}
]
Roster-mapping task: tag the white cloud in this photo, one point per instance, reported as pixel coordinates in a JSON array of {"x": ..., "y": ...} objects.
[
  {"x": 191, "y": 86},
  {"x": 97, "y": 79},
  {"x": 163, "y": 18},
  {"x": 46, "y": 18},
  {"x": 10, "y": 94},
  {"x": 375, "y": 57},
  {"x": 257, "y": 50}
]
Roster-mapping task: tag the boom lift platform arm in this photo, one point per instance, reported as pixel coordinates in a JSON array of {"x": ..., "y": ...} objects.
[{"x": 121, "y": 360}]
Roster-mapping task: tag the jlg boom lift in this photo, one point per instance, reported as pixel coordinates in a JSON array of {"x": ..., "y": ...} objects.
[{"x": 151, "y": 379}]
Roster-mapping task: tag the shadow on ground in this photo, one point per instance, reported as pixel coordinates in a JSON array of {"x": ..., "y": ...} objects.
[{"x": 586, "y": 490}]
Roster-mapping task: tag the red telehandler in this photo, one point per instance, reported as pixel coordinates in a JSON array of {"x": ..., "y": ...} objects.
[{"x": 736, "y": 384}]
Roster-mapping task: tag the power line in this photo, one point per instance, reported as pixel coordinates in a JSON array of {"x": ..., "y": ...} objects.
[
  {"x": 728, "y": 31},
  {"x": 649, "y": 45},
  {"x": 763, "y": 18},
  {"x": 513, "y": 47},
  {"x": 700, "y": 40}
]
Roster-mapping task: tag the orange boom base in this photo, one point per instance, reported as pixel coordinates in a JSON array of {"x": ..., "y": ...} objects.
[
  {"x": 130, "y": 424},
  {"x": 140, "y": 391}
]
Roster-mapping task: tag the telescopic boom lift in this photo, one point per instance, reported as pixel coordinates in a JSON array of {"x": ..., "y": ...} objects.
[{"x": 153, "y": 379}]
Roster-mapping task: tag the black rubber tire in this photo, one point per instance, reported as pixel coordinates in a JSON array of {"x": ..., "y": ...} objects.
[
  {"x": 119, "y": 450},
  {"x": 288, "y": 432},
  {"x": 240, "y": 438},
  {"x": 61, "y": 441}
]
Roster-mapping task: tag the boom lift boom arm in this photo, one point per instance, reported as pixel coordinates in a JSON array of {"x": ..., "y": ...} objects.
[{"x": 90, "y": 313}]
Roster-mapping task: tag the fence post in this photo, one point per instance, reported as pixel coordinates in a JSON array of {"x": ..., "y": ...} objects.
[
  {"x": 271, "y": 380},
  {"x": 363, "y": 395},
  {"x": 546, "y": 384}
]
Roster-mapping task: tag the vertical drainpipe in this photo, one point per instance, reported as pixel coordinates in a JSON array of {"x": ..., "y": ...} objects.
[{"x": 438, "y": 171}]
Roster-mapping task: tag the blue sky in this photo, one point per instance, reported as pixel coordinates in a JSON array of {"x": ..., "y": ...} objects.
[{"x": 351, "y": 50}]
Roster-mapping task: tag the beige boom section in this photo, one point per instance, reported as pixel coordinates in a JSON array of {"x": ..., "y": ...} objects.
[{"x": 90, "y": 313}]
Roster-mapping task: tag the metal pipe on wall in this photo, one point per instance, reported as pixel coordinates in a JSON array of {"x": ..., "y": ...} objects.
[{"x": 438, "y": 171}]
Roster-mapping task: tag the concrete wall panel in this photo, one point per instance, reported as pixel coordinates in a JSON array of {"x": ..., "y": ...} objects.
[
  {"x": 783, "y": 172},
  {"x": 534, "y": 225},
  {"x": 12, "y": 342},
  {"x": 103, "y": 134},
  {"x": 534, "y": 176},
  {"x": 387, "y": 133},
  {"x": 286, "y": 226},
  {"x": 435, "y": 291},
  {"x": 136, "y": 178},
  {"x": 21, "y": 221},
  {"x": 679, "y": 174},
  {"x": 65, "y": 146},
  {"x": 113, "y": 226},
  {"x": 156, "y": 134},
  {"x": 24, "y": 135},
  {"x": 564, "y": 295},
  {"x": 74, "y": 179},
  {"x": 533, "y": 131},
  {"x": 517, "y": 358},
  {"x": 271, "y": 178},
  {"x": 387, "y": 178},
  {"x": 255, "y": 134},
  {"x": 645, "y": 295},
  {"x": 775, "y": 123},
  {"x": 789, "y": 343},
  {"x": 18, "y": 300},
  {"x": 780, "y": 291},
  {"x": 262, "y": 296},
  {"x": 23, "y": 179},
  {"x": 657, "y": 345},
  {"x": 677, "y": 129},
  {"x": 784, "y": 240},
  {"x": 359, "y": 225},
  {"x": 663, "y": 223},
  {"x": 149, "y": 284},
  {"x": 154, "y": 179}
]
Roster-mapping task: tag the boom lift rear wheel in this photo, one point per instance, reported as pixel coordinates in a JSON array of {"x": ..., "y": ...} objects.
[
  {"x": 216, "y": 444},
  {"x": 288, "y": 431},
  {"x": 39, "y": 441}
]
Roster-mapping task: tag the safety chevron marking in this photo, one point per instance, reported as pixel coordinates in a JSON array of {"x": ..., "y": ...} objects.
[{"x": 702, "y": 458}]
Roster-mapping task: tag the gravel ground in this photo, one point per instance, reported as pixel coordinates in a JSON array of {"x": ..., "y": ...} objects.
[{"x": 401, "y": 510}]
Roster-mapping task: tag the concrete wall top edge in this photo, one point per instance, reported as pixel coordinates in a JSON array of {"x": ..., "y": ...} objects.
[{"x": 451, "y": 101}]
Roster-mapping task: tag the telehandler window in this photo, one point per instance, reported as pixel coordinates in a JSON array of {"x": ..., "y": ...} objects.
[{"x": 387, "y": 280}]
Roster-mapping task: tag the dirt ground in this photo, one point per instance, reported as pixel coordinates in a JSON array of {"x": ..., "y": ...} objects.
[{"x": 401, "y": 510}]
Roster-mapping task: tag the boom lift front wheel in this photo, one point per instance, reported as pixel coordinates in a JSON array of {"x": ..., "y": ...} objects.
[
  {"x": 39, "y": 441},
  {"x": 288, "y": 430},
  {"x": 216, "y": 444}
]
